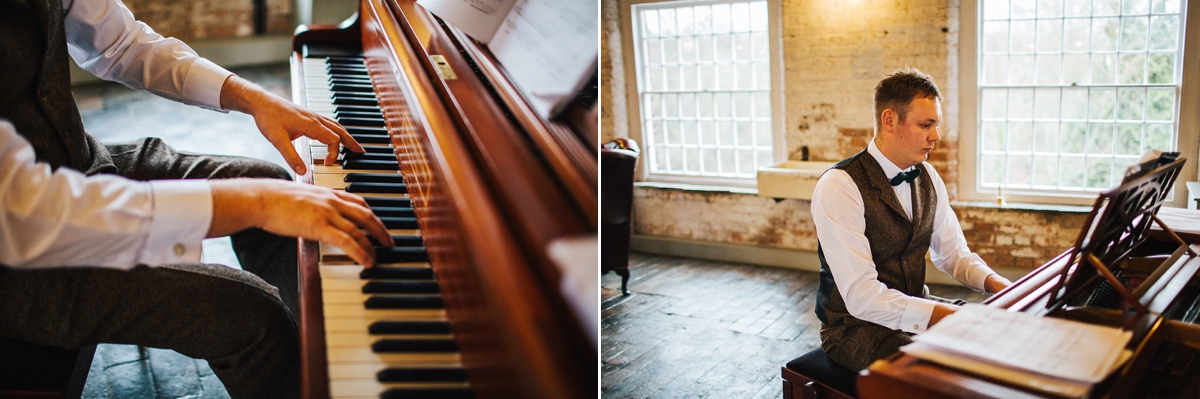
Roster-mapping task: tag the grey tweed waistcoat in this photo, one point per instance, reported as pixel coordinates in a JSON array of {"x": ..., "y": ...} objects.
[
  {"x": 898, "y": 245},
  {"x": 35, "y": 87}
]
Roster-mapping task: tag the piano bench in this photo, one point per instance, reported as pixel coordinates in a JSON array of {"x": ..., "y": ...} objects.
[{"x": 815, "y": 376}]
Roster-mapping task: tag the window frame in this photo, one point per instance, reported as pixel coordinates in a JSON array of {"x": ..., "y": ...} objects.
[
  {"x": 1187, "y": 135},
  {"x": 632, "y": 71}
]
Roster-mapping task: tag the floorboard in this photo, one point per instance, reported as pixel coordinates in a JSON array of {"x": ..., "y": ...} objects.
[{"x": 705, "y": 329}]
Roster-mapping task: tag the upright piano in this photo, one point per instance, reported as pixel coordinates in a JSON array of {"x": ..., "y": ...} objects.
[
  {"x": 493, "y": 209},
  {"x": 1130, "y": 269}
]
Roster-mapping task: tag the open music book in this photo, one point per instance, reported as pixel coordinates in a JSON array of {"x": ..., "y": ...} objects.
[
  {"x": 548, "y": 47},
  {"x": 1053, "y": 355}
]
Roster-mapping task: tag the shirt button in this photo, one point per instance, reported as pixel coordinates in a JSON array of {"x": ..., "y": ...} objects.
[
  {"x": 916, "y": 327},
  {"x": 180, "y": 249}
]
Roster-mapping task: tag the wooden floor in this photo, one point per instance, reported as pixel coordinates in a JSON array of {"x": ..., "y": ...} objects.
[{"x": 696, "y": 328}]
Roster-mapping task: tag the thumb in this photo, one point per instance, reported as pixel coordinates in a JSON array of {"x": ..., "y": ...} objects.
[{"x": 290, "y": 156}]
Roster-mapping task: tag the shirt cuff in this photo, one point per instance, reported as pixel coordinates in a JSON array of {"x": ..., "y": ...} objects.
[
  {"x": 202, "y": 85},
  {"x": 915, "y": 317},
  {"x": 181, "y": 217}
]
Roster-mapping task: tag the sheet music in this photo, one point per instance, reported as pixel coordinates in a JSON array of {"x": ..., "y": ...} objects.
[
  {"x": 1052, "y": 347},
  {"x": 549, "y": 48},
  {"x": 478, "y": 18}
]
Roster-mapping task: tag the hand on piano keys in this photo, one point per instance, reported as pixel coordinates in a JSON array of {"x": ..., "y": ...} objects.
[
  {"x": 299, "y": 210},
  {"x": 282, "y": 121}
]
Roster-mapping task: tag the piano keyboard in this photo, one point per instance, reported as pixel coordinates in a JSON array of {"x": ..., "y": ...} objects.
[{"x": 385, "y": 327}]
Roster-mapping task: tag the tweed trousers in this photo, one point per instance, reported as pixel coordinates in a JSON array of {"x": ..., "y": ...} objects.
[{"x": 243, "y": 322}]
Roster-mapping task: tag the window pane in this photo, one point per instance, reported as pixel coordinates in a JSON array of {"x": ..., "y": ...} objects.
[
  {"x": 994, "y": 136},
  {"x": 1100, "y": 139},
  {"x": 709, "y": 160},
  {"x": 692, "y": 159},
  {"x": 762, "y": 105},
  {"x": 1076, "y": 31},
  {"x": 992, "y": 169},
  {"x": 1075, "y": 103},
  {"x": 1075, "y": 69},
  {"x": 724, "y": 105},
  {"x": 675, "y": 160},
  {"x": 740, "y": 17},
  {"x": 1022, "y": 40},
  {"x": 1019, "y": 173},
  {"x": 746, "y": 163},
  {"x": 670, "y": 105},
  {"x": 1049, "y": 69},
  {"x": 708, "y": 132},
  {"x": 1131, "y": 103},
  {"x": 1046, "y": 103},
  {"x": 1135, "y": 6},
  {"x": 758, "y": 16},
  {"x": 708, "y": 77},
  {"x": 1071, "y": 172},
  {"x": 1023, "y": 8},
  {"x": 1133, "y": 33},
  {"x": 670, "y": 48},
  {"x": 995, "y": 70},
  {"x": 725, "y": 77},
  {"x": 994, "y": 103},
  {"x": 1158, "y": 136},
  {"x": 1098, "y": 172},
  {"x": 745, "y": 134},
  {"x": 1045, "y": 137},
  {"x": 1020, "y": 104},
  {"x": 997, "y": 9},
  {"x": 687, "y": 50},
  {"x": 1049, "y": 35},
  {"x": 688, "y": 134},
  {"x": 1049, "y": 8},
  {"x": 724, "y": 47},
  {"x": 687, "y": 105},
  {"x": 742, "y": 47},
  {"x": 1104, "y": 34},
  {"x": 1073, "y": 137},
  {"x": 666, "y": 19},
  {"x": 1106, "y": 7},
  {"x": 1164, "y": 32},
  {"x": 1104, "y": 68},
  {"x": 1133, "y": 68},
  {"x": 1020, "y": 70},
  {"x": 703, "y": 16},
  {"x": 1160, "y": 105},
  {"x": 1129, "y": 139},
  {"x": 720, "y": 18},
  {"x": 762, "y": 47},
  {"x": 1101, "y": 104},
  {"x": 741, "y": 105},
  {"x": 1161, "y": 68},
  {"x": 1165, "y": 6},
  {"x": 1077, "y": 8},
  {"x": 1045, "y": 171},
  {"x": 1020, "y": 137},
  {"x": 745, "y": 76},
  {"x": 684, "y": 21},
  {"x": 995, "y": 37},
  {"x": 762, "y": 134},
  {"x": 649, "y": 23}
]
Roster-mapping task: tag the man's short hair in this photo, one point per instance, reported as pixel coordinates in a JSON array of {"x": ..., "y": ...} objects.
[{"x": 898, "y": 90}]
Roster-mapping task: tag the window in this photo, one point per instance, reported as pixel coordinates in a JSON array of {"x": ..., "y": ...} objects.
[
  {"x": 707, "y": 89},
  {"x": 1070, "y": 93}
]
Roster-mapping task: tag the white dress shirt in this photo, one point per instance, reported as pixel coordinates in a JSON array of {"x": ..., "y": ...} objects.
[
  {"x": 105, "y": 39},
  {"x": 64, "y": 218},
  {"x": 837, "y": 209},
  {"x": 67, "y": 219}
]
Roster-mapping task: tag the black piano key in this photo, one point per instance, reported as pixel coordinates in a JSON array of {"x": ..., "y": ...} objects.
[
  {"x": 355, "y": 101},
  {"x": 351, "y": 81},
  {"x": 406, "y": 374},
  {"x": 370, "y": 164},
  {"x": 368, "y": 150},
  {"x": 368, "y": 187},
  {"x": 400, "y": 287},
  {"x": 365, "y": 130},
  {"x": 388, "y": 202},
  {"x": 371, "y": 139},
  {"x": 394, "y": 212},
  {"x": 346, "y": 156},
  {"x": 400, "y": 241},
  {"x": 339, "y": 70},
  {"x": 409, "y": 327},
  {"x": 427, "y": 393},
  {"x": 358, "y": 114},
  {"x": 353, "y": 96},
  {"x": 355, "y": 121},
  {"x": 399, "y": 222},
  {"x": 404, "y": 302},
  {"x": 388, "y": 345},
  {"x": 345, "y": 60},
  {"x": 373, "y": 177},
  {"x": 356, "y": 108},
  {"x": 401, "y": 255},
  {"x": 349, "y": 87},
  {"x": 396, "y": 273}
]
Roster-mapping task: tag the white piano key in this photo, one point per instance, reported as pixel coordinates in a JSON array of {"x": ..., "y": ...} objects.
[{"x": 363, "y": 387}]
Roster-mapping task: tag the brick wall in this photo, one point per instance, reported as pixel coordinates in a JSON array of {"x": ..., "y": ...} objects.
[
  {"x": 835, "y": 52},
  {"x": 210, "y": 19}
]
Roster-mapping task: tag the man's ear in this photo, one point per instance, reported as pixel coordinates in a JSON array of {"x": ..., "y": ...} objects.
[{"x": 888, "y": 120}]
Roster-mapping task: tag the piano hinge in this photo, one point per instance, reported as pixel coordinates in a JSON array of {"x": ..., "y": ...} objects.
[{"x": 443, "y": 68}]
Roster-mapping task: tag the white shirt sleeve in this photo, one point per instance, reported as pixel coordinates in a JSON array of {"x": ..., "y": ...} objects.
[
  {"x": 63, "y": 218},
  {"x": 948, "y": 247},
  {"x": 837, "y": 209},
  {"x": 104, "y": 38}
]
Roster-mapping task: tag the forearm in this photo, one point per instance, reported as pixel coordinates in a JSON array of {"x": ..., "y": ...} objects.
[
  {"x": 940, "y": 311},
  {"x": 994, "y": 283},
  {"x": 237, "y": 205},
  {"x": 241, "y": 95}
]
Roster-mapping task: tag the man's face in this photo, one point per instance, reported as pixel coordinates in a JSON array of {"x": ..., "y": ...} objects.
[{"x": 914, "y": 137}]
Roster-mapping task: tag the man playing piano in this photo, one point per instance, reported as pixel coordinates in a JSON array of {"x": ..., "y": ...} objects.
[
  {"x": 877, "y": 214},
  {"x": 83, "y": 214}
]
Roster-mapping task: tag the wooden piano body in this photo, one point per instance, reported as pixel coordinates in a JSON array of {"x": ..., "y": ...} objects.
[
  {"x": 492, "y": 184},
  {"x": 1124, "y": 234}
]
